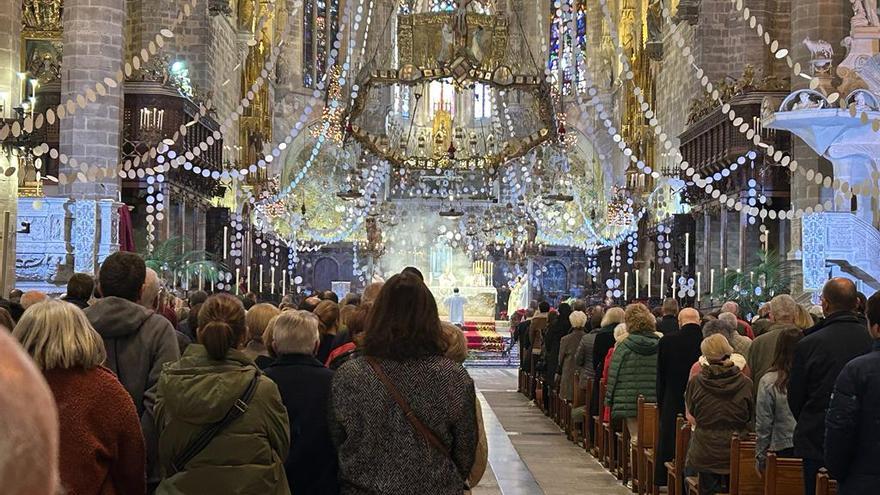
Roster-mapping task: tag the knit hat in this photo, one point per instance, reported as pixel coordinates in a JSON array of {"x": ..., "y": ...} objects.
[
  {"x": 716, "y": 348},
  {"x": 578, "y": 319}
]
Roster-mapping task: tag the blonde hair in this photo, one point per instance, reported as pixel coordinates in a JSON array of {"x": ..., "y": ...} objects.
[
  {"x": 58, "y": 335},
  {"x": 716, "y": 348},
  {"x": 620, "y": 333},
  {"x": 639, "y": 319},
  {"x": 612, "y": 316},
  {"x": 804, "y": 319},
  {"x": 578, "y": 319},
  {"x": 456, "y": 343},
  {"x": 258, "y": 318}
]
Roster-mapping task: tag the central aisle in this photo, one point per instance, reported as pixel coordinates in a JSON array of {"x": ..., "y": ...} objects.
[{"x": 528, "y": 453}]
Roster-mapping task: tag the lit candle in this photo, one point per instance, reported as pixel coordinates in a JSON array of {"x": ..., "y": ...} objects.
[
  {"x": 625, "y": 286},
  {"x": 225, "y": 240},
  {"x": 649, "y": 282},
  {"x": 674, "y": 281},
  {"x": 248, "y": 288},
  {"x": 711, "y": 282},
  {"x": 699, "y": 286},
  {"x": 766, "y": 242},
  {"x": 260, "y": 289},
  {"x": 637, "y": 284},
  {"x": 200, "y": 278},
  {"x": 272, "y": 279},
  {"x": 751, "y": 277},
  {"x": 284, "y": 282},
  {"x": 687, "y": 248},
  {"x": 237, "y": 281},
  {"x": 662, "y": 282},
  {"x": 212, "y": 285}
]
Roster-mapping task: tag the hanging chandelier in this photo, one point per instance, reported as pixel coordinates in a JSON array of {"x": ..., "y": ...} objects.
[{"x": 442, "y": 55}]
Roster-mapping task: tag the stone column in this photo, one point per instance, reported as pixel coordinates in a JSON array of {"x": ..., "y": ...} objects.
[
  {"x": 93, "y": 49},
  {"x": 10, "y": 41}
]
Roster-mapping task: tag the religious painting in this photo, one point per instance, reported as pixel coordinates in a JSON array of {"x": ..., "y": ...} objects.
[{"x": 42, "y": 59}]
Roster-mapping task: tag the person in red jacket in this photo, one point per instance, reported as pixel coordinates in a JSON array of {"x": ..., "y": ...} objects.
[{"x": 101, "y": 444}]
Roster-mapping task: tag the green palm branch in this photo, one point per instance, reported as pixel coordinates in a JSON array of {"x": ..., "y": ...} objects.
[
  {"x": 175, "y": 258},
  {"x": 759, "y": 283}
]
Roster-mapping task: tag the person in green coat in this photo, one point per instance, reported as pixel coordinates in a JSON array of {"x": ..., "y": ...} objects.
[
  {"x": 633, "y": 370},
  {"x": 247, "y": 455}
]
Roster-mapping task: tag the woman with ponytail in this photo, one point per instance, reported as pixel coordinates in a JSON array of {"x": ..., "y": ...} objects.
[{"x": 223, "y": 427}]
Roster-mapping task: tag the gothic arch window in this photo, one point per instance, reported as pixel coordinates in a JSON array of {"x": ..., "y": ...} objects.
[
  {"x": 326, "y": 271},
  {"x": 320, "y": 25},
  {"x": 563, "y": 48},
  {"x": 443, "y": 5}
]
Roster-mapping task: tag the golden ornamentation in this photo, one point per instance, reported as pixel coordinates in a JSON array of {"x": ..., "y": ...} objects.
[{"x": 41, "y": 19}]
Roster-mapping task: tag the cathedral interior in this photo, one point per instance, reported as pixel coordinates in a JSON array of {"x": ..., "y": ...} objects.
[{"x": 616, "y": 149}]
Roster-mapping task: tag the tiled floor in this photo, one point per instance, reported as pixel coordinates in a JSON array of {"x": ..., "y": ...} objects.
[{"x": 528, "y": 453}]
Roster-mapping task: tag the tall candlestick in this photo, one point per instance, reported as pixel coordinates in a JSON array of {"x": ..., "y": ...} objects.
[
  {"x": 674, "y": 282},
  {"x": 637, "y": 284},
  {"x": 284, "y": 282},
  {"x": 687, "y": 248},
  {"x": 711, "y": 282},
  {"x": 237, "y": 281},
  {"x": 766, "y": 242},
  {"x": 272, "y": 279},
  {"x": 699, "y": 287},
  {"x": 260, "y": 289},
  {"x": 225, "y": 241},
  {"x": 212, "y": 285},
  {"x": 625, "y": 286},
  {"x": 649, "y": 282},
  {"x": 751, "y": 277},
  {"x": 200, "y": 278},
  {"x": 662, "y": 282},
  {"x": 249, "y": 287}
]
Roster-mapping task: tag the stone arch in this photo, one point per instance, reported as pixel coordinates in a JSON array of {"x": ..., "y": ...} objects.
[{"x": 326, "y": 270}]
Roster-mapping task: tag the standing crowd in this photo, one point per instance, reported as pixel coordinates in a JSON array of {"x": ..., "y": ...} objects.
[
  {"x": 115, "y": 389},
  {"x": 803, "y": 383}
]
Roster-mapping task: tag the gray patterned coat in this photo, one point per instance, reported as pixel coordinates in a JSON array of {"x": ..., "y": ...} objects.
[{"x": 379, "y": 450}]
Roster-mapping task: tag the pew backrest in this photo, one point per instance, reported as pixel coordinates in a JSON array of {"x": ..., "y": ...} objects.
[
  {"x": 783, "y": 476},
  {"x": 744, "y": 478}
]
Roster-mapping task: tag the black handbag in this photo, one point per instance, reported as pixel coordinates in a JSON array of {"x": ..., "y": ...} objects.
[{"x": 236, "y": 411}]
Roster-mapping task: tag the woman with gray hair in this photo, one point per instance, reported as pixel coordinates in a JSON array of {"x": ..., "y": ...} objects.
[
  {"x": 740, "y": 343},
  {"x": 713, "y": 327},
  {"x": 567, "y": 348},
  {"x": 304, "y": 384},
  {"x": 102, "y": 447}
]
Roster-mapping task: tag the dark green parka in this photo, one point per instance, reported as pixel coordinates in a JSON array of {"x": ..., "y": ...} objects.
[
  {"x": 247, "y": 457},
  {"x": 633, "y": 372}
]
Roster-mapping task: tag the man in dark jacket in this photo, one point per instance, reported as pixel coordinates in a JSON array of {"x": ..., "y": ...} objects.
[
  {"x": 818, "y": 359},
  {"x": 852, "y": 439},
  {"x": 138, "y": 340},
  {"x": 676, "y": 353},
  {"x": 668, "y": 323},
  {"x": 79, "y": 290},
  {"x": 304, "y": 384}
]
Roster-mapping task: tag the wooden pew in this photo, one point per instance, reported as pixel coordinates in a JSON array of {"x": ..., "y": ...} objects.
[
  {"x": 589, "y": 431},
  {"x": 622, "y": 452},
  {"x": 824, "y": 484},
  {"x": 539, "y": 393},
  {"x": 744, "y": 479},
  {"x": 649, "y": 433},
  {"x": 675, "y": 468},
  {"x": 783, "y": 476}
]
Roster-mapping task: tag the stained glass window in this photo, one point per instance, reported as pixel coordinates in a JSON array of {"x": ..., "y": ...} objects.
[
  {"x": 565, "y": 54},
  {"x": 482, "y": 101},
  {"x": 443, "y": 5},
  {"x": 320, "y": 25}
]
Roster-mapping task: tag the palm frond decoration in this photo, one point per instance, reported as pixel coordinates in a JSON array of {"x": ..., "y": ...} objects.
[
  {"x": 175, "y": 259},
  {"x": 759, "y": 283}
]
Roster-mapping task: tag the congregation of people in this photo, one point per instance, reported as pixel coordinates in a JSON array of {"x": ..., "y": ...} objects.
[
  {"x": 801, "y": 384},
  {"x": 119, "y": 387}
]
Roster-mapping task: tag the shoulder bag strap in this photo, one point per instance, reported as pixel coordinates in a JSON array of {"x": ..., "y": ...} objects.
[
  {"x": 236, "y": 411},
  {"x": 408, "y": 413}
]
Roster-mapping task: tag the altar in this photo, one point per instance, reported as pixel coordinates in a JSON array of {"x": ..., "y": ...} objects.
[{"x": 480, "y": 305}]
